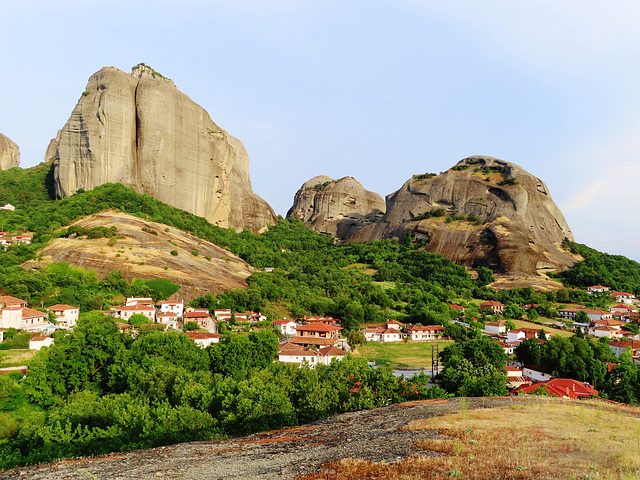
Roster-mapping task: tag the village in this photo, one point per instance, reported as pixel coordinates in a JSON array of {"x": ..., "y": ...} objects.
[{"x": 314, "y": 340}]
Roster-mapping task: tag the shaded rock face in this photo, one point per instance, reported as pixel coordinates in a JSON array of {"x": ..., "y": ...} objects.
[
  {"x": 9, "y": 153},
  {"x": 138, "y": 129},
  {"x": 510, "y": 222},
  {"x": 336, "y": 207}
]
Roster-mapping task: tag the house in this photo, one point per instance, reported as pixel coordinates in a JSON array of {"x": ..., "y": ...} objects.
[
  {"x": 458, "y": 308},
  {"x": 605, "y": 331},
  {"x": 8, "y": 206},
  {"x": 202, "y": 318},
  {"x": 170, "y": 319},
  {"x": 286, "y": 327},
  {"x": 9, "y": 301},
  {"x": 7, "y": 241},
  {"x": 23, "y": 318},
  {"x": 623, "y": 297},
  {"x": 127, "y": 311},
  {"x": 204, "y": 339},
  {"x": 132, "y": 301},
  {"x": 221, "y": 312},
  {"x": 515, "y": 377},
  {"x": 313, "y": 319},
  {"x": 124, "y": 327},
  {"x": 36, "y": 343},
  {"x": 496, "y": 327},
  {"x": 66, "y": 315},
  {"x": 421, "y": 333},
  {"x": 623, "y": 308},
  {"x": 295, "y": 353},
  {"x": 618, "y": 348},
  {"x": 172, "y": 306},
  {"x": 507, "y": 347},
  {"x": 269, "y": 269},
  {"x": 495, "y": 307},
  {"x": 570, "y": 313},
  {"x": 319, "y": 334},
  {"x": 561, "y": 387},
  {"x": 520, "y": 334},
  {"x": 597, "y": 288}
]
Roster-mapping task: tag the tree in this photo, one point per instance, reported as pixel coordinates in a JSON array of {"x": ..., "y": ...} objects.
[
  {"x": 510, "y": 325},
  {"x": 355, "y": 338},
  {"x": 582, "y": 317},
  {"x": 485, "y": 276},
  {"x": 138, "y": 319},
  {"x": 528, "y": 352},
  {"x": 474, "y": 368},
  {"x": 190, "y": 326},
  {"x": 77, "y": 361}
]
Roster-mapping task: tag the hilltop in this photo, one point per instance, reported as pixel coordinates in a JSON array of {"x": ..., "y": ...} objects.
[{"x": 144, "y": 250}]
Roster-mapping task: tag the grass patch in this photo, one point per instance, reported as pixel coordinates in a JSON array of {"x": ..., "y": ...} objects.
[
  {"x": 411, "y": 354},
  {"x": 16, "y": 358},
  {"x": 538, "y": 439},
  {"x": 538, "y": 326},
  {"x": 385, "y": 285}
]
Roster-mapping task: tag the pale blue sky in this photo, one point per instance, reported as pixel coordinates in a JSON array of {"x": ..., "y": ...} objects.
[{"x": 377, "y": 90}]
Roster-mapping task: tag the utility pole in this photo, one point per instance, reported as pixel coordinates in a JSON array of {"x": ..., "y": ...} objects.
[{"x": 434, "y": 361}]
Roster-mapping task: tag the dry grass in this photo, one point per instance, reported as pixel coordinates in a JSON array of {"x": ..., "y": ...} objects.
[
  {"x": 16, "y": 358},
  {"x": 539, "y": 439}
]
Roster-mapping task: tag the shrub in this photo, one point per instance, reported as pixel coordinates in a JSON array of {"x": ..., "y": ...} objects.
[{"x": 174, "y": 253}]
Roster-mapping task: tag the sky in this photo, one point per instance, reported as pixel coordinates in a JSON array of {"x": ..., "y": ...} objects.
[{"x": 376, "y": 90}]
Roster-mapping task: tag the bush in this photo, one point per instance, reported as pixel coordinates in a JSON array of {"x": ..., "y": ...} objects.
[{"x": 174, "y": 253}]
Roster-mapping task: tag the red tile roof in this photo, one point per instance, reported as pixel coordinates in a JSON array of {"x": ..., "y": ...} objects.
[{"x": 562, "y": 387}]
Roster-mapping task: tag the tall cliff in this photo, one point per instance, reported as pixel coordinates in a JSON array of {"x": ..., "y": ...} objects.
[
  {"x": 482, "y": 211},
  {"x": 336, "y": 207},
  {"x": 9, "y": 153},
  {"x": 138, "y": 129}
]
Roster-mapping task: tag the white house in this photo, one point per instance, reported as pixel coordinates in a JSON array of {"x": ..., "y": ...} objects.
[
  {"x": 23, "y": 318},
  {"x": 418, "y": 333},
  {"x": 36, "y": 343},
  {"x": 623, "y": 297},
  {"x": 172, "y": 306},
  {"x": 66, "y": 315},
  {"x": 597, "y": 288},
  {"x": 132, "y": 301},
  {"x": 495, "y": 327},
  {"x": 169, "y": 319},
  {"x": 204, "y": 339},
  {"x": 570, "y": 313},
  {"x": 127, "y": 311},
  {"x": 286, "y": 327},
  {"x": 294, "y": 353}
]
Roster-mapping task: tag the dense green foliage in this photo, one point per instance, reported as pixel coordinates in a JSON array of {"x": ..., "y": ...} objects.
[
  {"x": 474, "y": 368},
  {"x": 615, "y": 271},
  {"x": 95, "y": 391}
]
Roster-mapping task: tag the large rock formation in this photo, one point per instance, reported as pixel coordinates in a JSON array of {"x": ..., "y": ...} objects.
[
  {"x": 336, "y": 207},
  {"x": 138, "y": 129},
  {"x": 483, "y": 211},
  {"x": 9, "y": 153}
]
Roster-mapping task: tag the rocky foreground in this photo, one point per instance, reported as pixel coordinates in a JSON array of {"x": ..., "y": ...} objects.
[{"x": 374, "y": 435}]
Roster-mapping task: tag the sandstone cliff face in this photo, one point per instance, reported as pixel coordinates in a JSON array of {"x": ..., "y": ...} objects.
[
  {"x": 9, "y": 153},
  {"x": 138, "y": 129},
  {"x": 336, "y": 207},
  {"x": 510, "y": 222}
]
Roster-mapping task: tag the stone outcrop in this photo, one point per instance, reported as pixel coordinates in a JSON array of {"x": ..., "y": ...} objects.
[
  {"x": 138, "y": 129},
  {"x": 336, "y": 207},
  {"x": 9, "y": 153},
  {"x": 483, "y": 211}
]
